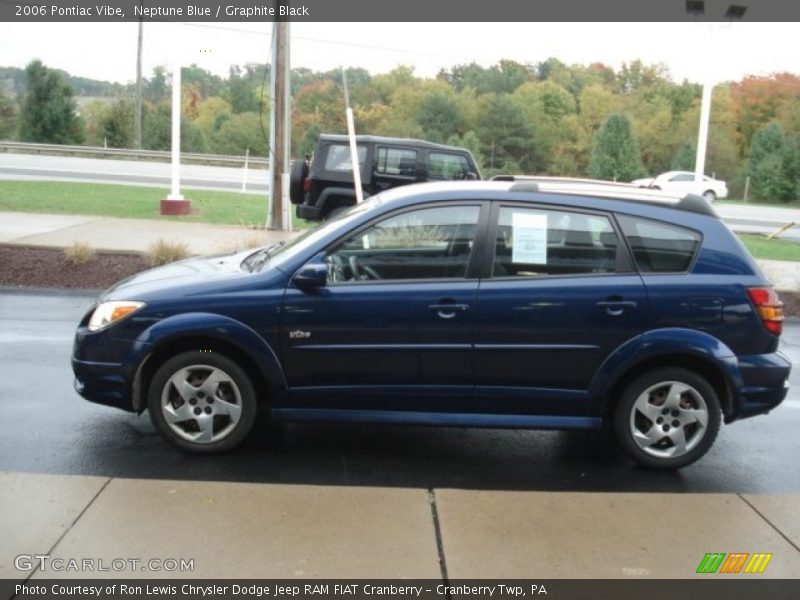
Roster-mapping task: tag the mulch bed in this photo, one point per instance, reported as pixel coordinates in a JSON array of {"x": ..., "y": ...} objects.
[{"x": 44, "y": 267}]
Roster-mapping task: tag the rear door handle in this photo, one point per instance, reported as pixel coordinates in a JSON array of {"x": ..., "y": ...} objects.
[
  {"x": 448, "y": 311},
  {"x": 616, "y": 307}
]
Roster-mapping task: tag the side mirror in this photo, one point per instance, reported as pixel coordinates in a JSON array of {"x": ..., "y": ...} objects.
[{"x": 311, "y": 276}]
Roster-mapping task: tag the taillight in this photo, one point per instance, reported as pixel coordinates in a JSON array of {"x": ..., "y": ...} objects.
[
  {"x": 769, "y": 308},
  {"x": 306, "y": 184}
]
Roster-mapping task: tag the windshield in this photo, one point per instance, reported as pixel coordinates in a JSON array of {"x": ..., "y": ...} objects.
[{"x": 288, "y": 250}]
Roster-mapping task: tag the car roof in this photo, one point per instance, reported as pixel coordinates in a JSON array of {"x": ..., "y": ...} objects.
[
  {"x": 564, "y": 186},
  {"x": 375, "y": 139}
]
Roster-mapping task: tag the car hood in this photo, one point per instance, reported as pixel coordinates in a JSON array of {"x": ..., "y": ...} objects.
[{"x": 198, "y": 270}]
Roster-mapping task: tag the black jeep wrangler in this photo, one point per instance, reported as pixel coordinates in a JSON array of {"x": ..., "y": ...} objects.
[{"x": 325, "y": 186}]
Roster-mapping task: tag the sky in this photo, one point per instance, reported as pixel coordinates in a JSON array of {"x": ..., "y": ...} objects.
[{"x": 694, "y": 51}]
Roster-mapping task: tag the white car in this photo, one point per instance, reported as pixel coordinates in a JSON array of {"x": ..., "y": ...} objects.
[{"x": 683, "y": 181}]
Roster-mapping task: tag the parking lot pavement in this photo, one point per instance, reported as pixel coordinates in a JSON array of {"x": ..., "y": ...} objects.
[{"x": 578, "y": 535}]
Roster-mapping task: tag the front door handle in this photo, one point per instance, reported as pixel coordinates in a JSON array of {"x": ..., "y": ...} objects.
[
  {"x": 448, "y": 311},
  {"x": 616, "y": 307}
]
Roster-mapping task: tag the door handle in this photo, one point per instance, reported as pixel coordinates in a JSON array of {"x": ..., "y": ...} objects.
[
  {"x": 616, "y": 307},
  {"x": 448, "y": 311}
]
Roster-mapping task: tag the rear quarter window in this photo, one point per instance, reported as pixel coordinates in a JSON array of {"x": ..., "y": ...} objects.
[{"x": 660, "y": 247}]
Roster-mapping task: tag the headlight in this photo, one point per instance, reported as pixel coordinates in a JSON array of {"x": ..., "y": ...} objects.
[{"x": 110, "y": 312}]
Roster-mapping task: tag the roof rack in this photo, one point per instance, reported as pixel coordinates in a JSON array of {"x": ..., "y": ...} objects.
[{"x": 606, "y": 189}]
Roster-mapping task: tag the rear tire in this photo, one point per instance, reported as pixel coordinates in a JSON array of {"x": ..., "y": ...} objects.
[
  {"x": 202, "y": 402},
  {"x": 667, "y": 418},
  {"x": 710, "y": 196}
]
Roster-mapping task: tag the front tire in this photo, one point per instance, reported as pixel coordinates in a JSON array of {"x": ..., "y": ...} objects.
[
  {"x": 202, "y": 402},
  {"x": 710, "y": 196},
  {"x": 667, "y": 418}
]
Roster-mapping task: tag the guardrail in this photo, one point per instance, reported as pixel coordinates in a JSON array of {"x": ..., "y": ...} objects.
[{"x": 130, "y": 154}]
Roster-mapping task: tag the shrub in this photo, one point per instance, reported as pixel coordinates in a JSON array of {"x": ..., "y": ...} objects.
[
  {"x": 163, "y": 252},
  {"x": 78, "y": 253}
]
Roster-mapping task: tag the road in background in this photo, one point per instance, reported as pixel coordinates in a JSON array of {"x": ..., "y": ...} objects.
[
  {"x": 48, "y": 428},
  {"x": 129, "y": 172},
  {"x": 740, "y": 217}
]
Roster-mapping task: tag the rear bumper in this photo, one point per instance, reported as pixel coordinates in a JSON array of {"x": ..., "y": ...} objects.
[
  {"x": 309, "y": 213},
  {"x": 764, "y": 384},
  {"x": 103, "y": 383}
]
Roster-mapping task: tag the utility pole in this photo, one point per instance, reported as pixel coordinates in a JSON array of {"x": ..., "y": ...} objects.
[
  {"x": 280, "y": 150},
  {"x": 137, "y": 115}
]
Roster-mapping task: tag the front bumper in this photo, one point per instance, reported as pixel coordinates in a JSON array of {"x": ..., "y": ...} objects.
[
  {"x": 764, "y": 385},
  {"x": 103, "y": 383}
]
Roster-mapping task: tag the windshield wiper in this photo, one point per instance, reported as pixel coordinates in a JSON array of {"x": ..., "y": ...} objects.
[{"x": 255, "y": 261}]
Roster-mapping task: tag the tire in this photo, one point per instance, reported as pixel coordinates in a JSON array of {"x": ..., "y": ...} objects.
[
  {"x": 710, "y": 196},
  {"x": 297, "y": 177},
  {"x": 649, "y": 436},
  {"x": 199, "y": 415}
]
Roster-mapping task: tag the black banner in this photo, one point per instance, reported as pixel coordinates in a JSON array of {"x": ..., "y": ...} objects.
[
  {"x": 712, "y": 588},
  {"x": 401, "y": 11}
]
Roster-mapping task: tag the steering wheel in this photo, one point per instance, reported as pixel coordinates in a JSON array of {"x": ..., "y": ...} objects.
[{"x": 362, "y": 272}]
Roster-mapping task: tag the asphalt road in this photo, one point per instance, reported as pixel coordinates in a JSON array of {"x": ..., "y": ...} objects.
[
  {"x": 131, "y": 172},
  {"x": 46, "y": 427},
  {"x": 749, "y": 218}
]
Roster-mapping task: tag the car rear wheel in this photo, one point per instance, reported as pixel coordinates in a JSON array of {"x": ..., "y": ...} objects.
[
  {"x": 709, "y": 195},
  {"x": 667, "y": 418},
  {"x": 202, "y": 402}
]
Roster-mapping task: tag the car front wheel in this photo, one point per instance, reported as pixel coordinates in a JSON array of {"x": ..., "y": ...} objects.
[
  {"x": 709, "y": 196},
  {"x": 202, "y": 402},
  {"x": 667, "y": 418}
]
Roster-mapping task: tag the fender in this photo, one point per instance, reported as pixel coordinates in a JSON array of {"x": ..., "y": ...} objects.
[
  {"x": 328, "y": 193},
  {"x": 662, "y": 342},
  {"x": 214, "y": 326}
]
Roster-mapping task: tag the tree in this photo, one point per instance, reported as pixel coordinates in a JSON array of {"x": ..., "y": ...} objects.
[
  {"x": 8, "y": 118},
  {"x": 116, "y": 126},
  {"x": 771, "y": 165},
  {"x": 506, "y": 140},
  {"x": 615, "y": 151},
  {"x": 439, "y": 116},
  {"x": 49, "y": 113},
  {"x": 239, "y": 133},
  {"x": 155, "y": 88}
]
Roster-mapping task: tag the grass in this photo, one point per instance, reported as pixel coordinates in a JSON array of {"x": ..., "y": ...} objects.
[
  {"x": 774, "y": 249},
  {"x": 131, "y": 202}
]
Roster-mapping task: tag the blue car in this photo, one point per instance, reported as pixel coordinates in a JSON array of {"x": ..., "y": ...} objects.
[{"x": 542, "y": 304}]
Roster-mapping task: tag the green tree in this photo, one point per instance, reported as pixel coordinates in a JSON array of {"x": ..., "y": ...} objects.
[
  {"x": 240, "y": 92},
  {"x": 239, "y": 133},
  {"x": 771, "y": 165},
  {"x": 116, "y": 126},
  {"x": 155, "y": 89},
  {"x": 49, "y": 113},
  {"x": 615, "y": 151},
  {"x": 8, "y": 118},
  {"x": 439, "y": 116},
  {"x": 506, "y": 141}
]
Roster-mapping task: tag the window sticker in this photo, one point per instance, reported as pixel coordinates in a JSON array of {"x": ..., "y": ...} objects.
[{"x": 529, "y": 238}]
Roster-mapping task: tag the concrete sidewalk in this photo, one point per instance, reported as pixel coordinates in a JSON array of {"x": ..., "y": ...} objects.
[
  {"x": 137, "y": 235},
  {"x": 285, "y": 531},
  {"x": 127, "y": 235}
]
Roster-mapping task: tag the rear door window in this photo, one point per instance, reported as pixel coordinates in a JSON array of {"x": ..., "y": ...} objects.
[
  {"x": 660, "y": 247},
  {"x": 397, "y": 162},
  {"x": 533, "y": 242}
]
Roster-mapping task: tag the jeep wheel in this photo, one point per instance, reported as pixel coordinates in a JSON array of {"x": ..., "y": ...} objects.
[
  {"x": 667, "y": 418},
  {"x": 202, "y": 402},
  {"x": 297, "y": 177}
]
